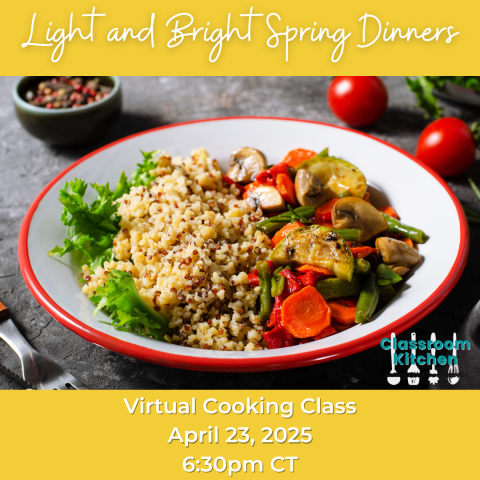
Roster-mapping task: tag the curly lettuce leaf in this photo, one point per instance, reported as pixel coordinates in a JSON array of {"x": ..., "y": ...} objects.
[
  {"x": 423, "y": 89},
  {"x": 128, "y": 311},
  {"x": 142, "y": 175},
  {"x": 91, "y": 228}
]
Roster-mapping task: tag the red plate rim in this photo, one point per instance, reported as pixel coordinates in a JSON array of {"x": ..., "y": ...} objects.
[{"x": 223, "y": 363}]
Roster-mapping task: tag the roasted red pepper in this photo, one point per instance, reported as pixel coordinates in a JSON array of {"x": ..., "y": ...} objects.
[
  {"x": 262, "y": 177},
  {"x": 326, "y": 217},
  {"x": 276, "y": 314},
  {"x": 253, "y": 280},
  {"x": 325, "y": 333},
  {"x": 310, "y": 278},
  {"x": 293, "y": 285},
  {"x": 271, "y": 182},
  {"x": 279, "y": 338},
  {"x": 231, "y": 182},
  {"x": 362, "y": 252}
]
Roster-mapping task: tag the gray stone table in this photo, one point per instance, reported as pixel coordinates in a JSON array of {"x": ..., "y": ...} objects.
[{"x": 27, "y": 165}]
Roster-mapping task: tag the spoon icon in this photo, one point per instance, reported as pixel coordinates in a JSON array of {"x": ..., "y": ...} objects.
[{"x": 395, "y": 380}]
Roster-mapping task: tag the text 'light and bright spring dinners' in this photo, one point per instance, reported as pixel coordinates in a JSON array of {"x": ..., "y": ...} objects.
[{"x": 263, "y": 257}]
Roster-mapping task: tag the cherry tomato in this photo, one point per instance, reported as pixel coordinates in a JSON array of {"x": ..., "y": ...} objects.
[
  {"x": 357, "y": 101},
  {"x": 447, "y": 146}
]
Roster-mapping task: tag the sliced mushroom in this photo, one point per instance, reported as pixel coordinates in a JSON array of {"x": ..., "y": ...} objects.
[
  {"x": 267, "y": 198},
  {"x": 309, "y": 190},
  {"x": 399, "y": 270},
  {"x": 353, "y": 212},
  {"x": 246, "y": 162},
  {"x": 397, "y": 253}
]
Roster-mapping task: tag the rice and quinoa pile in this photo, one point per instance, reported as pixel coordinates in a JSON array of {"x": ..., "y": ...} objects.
[{"x": 189, "y": 242}]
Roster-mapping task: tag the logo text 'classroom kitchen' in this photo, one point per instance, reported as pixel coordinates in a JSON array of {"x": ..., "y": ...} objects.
[{"x": 408, "y": 358}]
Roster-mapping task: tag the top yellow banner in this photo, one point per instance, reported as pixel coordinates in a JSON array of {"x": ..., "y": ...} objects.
[{"x": 258, "y": 37}]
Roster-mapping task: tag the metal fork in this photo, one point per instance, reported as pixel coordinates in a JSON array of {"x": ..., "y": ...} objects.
[{"x": 40, "y": 372}]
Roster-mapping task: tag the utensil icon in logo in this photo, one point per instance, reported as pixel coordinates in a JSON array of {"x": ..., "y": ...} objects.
[
  {"x": 393, "y": 380},
  {"x": 453, "y": 370},
  {"x": 413, "y": 380},
  {"x": 433, "y": 371}
]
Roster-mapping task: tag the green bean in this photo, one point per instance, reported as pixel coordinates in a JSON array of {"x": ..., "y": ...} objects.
[
  {"x": 336, "y": 288},
  {"x": 272, "y": 224},
  {"x": 386, "y": 294},
  {"x": 386, "y": 276},
  {"x": 368, "y": 301},
  {"x": 394, "y": 226},
  {"x": 345, "y": 193},
  {"x": 362, "y": 266},
  {"x": 349, "y": 234},
  {"x": 278, "y": 281},
  {"x": 271, "y": 227},
  {"x": 265, "y": 281}
]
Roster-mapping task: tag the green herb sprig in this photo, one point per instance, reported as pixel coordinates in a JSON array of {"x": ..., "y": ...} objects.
[{"x": 472, "y": 215}]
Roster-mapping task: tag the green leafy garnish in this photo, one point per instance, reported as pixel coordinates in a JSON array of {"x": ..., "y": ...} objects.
[
  {"x": 386, "y": 276},
  {"x": 129, "y": 312},
  {"x": 423, "y": 88},
  {"x": 142, "y": 175},
  {"x": 91, "y": 228}
]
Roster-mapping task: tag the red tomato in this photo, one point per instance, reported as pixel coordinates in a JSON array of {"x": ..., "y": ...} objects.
[
  {"x": 447, "y": 146},
  {"x": 357, "y": 101}
]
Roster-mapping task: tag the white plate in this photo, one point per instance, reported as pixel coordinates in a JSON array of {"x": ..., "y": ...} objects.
[{"x": 421, "y": 197}]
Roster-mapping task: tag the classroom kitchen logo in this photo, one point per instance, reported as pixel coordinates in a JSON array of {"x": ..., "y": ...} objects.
[{"x": 404, "y": 353}]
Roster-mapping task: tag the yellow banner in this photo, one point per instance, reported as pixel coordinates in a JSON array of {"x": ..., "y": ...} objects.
[
  {"x": 181, "y": 434},
  {"x": 262, "y": 37}
]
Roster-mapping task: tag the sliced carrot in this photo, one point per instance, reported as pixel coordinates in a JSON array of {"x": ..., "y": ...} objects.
[
  {"x": 362, "y": 252},
  {"x": 343, "y": 311},
  {"x": 297, "y": 156},
  {"x": 389, "y": 211},
  {"x": 311, "y": 268},
  {"x": 280, "y": 235},
  {"x": 286, "y": 188},
  {"x": 249, "y": 189},
  {"x": 408, "y": 241},
  {"x": 325, "y": 333},
  {"x": 305, "y": 313},
  {"x": 366, "y": 197}
]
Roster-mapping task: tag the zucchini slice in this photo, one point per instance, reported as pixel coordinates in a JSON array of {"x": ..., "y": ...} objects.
[
  {"x": 339, "y": 176},
  {"x": 317, "y": 246}
]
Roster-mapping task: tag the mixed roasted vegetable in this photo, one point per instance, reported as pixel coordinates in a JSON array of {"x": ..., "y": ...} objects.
[{"x": 335, "y": 256}]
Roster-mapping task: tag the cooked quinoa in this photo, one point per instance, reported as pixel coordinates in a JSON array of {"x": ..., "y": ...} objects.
[{"x": 189, "y": 242}]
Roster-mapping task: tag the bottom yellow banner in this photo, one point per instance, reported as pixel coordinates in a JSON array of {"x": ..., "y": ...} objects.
[{"x": 159, "y": 434}]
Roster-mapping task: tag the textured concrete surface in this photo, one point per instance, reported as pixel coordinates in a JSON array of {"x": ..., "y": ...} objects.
[{"x": 27, "y": 165}]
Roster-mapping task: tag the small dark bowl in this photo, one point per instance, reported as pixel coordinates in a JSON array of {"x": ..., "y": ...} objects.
[{"x": 68, "y": 126}]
